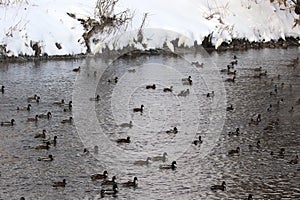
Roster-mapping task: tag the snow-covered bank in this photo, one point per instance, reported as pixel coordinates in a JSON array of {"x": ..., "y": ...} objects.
[{"x": 46, "y": 23}]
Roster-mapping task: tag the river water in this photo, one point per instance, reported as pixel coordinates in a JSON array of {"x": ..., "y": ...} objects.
[{"x": 98, "y": 123}]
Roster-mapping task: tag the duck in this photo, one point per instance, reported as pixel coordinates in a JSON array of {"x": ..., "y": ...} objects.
[
  {"x": 269, "y": 108},
  {"x": 184, "y": 93},
  {"x": 109, "y": 182},
  {"x": 219, "y": 187},
  {"x": 151, "y": 86},
  {"x": 43, "y": 146},
  {"x": 70, "y": 120},
  {"x": 131, "y": 183},
  {"x": 174, "y": 130},
  {"x": 253, "y": 122},
  {"x": 60, "y": 183},
  {"x": 68, "y": 106},
  {"x": 263, "y": 73},
  {"x": 170, "y": 89},
  {"x": 97, "y": 98},
  {"x": 234, "y": 151},
  {"x": 41, "y": 135},
  {"x": 10, "y": 123},
  {"x": 231, "y": 73},
  {"x": 131, "y": 70},
  {"x": 115, "y": 80},
  {"x": 230, "y": 79},
  {"x": 172, "y": 166},
  {"x": 123, "y": 140},
  {"x": 160, "y": 158},
  {"x": 112, "y": 191},
  {"x": 257, "y": 145},
  {"x": 127, "y": 125},
  {"x": 37, "y": 100},
  {"x": 34, "y": 97},
  {"x": 54, "y": 141},
  {"x": 76, "y": 69},
  {"x": 257, "y": 76},
  {"x": 59, "y": 103},
  {"x": 294, "y": 160},
  {"x": 210, "y": 94},
  {"x": 28, "y": 107},
  {"x": 188, "y": 82},
  {"x": 33, "y": 119},
  {"x": 226, "y": 70},
  {"x": 197, "y": 64},
  {"x": 258, "y": 69},
  {"x": 234, "y": 62},
  {"x": 47, "y": 115},
  {"x": 96, "y": 149},
  {"x": 281, "y": 153},
  {"x": 250, "y": 197},
  {"x": 139, "y": 109},
  {"x": 86, "y": 151},
  {"x": 236, "y": 132},
  {"x": 2, "y": 89},
  {"x": 142, "y": 162},
  {"x": 99, "y": 176},
  {"x": 230, "y": 108},
  {"x": 186, "y": 79},
  {"x": 46, "y": 159},
  {"x": 199, "y": 141},
  {"x": 68, "y": 109}
]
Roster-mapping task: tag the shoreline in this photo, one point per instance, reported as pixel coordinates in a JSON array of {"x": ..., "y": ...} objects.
[{"x": 234, "y": 45}]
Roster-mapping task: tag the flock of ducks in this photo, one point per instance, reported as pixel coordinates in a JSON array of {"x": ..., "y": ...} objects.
[
  {"x": 230, "y": 70},
  {"x": 47, "y": 143}
]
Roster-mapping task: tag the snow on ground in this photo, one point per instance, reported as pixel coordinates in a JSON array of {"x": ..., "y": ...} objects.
[{"x": 46, "y": 22}]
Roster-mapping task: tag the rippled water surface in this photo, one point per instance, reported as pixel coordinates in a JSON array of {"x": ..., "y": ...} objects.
[{"x": 97, "y": 123}]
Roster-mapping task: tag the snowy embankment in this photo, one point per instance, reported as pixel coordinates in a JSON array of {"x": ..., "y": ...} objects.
[{"x": 46, "y": 23}]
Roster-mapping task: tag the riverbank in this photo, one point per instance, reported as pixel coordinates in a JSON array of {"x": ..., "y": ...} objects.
[
  {"x": 235, "y": 45},
  {"x": 62, "y": 29}
]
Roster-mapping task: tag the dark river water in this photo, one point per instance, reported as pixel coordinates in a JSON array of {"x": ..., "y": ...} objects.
[{"x": 100, "y": 123}]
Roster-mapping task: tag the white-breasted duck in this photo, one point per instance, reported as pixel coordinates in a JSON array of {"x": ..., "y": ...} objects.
[
  {"x": 28, "y": 107},
  {"x": 47, "y": 115},
  {"x": 8, "y": 123},
  {"x": 76, "y": 69},
  {"x": 59, "y": 103},
  {"x": 172, "y": 166},
  {"x": 46, "y": 159},
  {"x": 170, "y": 89},
  {"x": 109, "y": 182}
]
